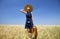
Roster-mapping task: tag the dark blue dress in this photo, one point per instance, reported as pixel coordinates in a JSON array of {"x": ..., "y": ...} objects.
[{"x": 29, "y": 22}]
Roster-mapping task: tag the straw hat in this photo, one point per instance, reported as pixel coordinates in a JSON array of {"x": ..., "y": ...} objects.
[{"x": 28, "y": 7}]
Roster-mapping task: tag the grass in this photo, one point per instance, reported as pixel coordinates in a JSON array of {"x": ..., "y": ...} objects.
[{"x": 18, "y": 32}]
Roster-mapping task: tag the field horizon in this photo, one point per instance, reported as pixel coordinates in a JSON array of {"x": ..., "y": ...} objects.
[{"x": 18, "y": 32}]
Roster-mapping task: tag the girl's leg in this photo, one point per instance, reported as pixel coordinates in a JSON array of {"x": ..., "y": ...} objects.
[
  {"x": 29, "y": 33},
  {"x": 35, "y": 33}
]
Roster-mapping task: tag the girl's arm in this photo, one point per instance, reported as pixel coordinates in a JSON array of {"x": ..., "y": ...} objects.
[
  {"x": 23, "y": 11},
  {"x": 32, "y": 17},
  {"x": 31, "y": 12}
]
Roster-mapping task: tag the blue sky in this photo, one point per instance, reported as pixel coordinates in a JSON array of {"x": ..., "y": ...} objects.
[{"x": 45, "y": 12}]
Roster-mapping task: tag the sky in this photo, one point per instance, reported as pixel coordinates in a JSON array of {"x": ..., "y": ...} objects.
[{"x": 45, "y": 12}]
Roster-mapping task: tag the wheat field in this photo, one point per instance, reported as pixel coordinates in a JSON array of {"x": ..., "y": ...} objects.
[{"x": 18, "y": 32}]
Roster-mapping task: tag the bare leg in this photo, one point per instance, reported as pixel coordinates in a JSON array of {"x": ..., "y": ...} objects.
[
  {"x": 32, "y": 33},
  {"x": 35, "y": 32}
]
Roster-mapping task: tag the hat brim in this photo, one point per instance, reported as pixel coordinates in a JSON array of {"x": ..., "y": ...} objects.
[{"x": 30, "y": 6}]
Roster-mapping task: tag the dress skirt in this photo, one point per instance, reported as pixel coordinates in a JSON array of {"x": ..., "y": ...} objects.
[{"x": 29, "y": 24}]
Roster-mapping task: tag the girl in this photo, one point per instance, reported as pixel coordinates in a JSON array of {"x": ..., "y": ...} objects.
[{"x": 29, "y": 21}]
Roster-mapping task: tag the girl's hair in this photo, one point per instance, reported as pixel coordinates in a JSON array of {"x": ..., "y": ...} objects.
[
  {"x": 30, "y": 6},
  {"x": 28, "y": 10}
]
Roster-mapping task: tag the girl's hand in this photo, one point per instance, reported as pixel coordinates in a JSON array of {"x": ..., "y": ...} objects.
[{"x": 22, "y": 10}]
